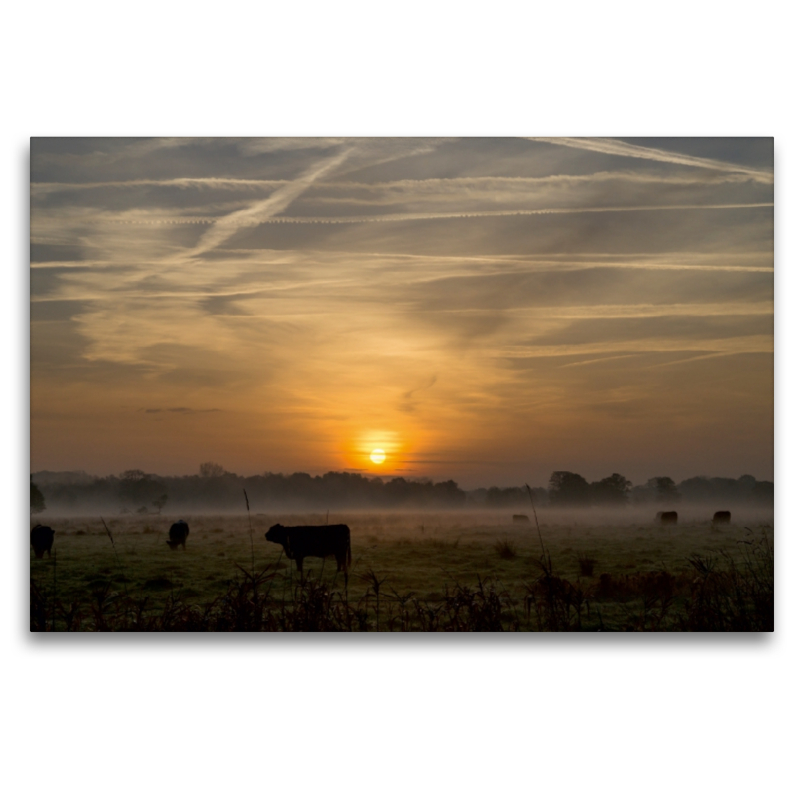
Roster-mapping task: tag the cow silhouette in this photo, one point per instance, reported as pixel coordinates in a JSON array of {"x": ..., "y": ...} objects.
[
  {"x": 667, "y": 517},
  {"x": 520, "y": 519},
  {"x": 304, "y": 541},
  {"x": 177, "y": 535},
  {"x": 41, "y": 540},
  {"x": 722, "y": 517}
]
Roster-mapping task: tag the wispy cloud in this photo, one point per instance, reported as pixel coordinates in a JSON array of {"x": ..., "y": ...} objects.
[
  {"x": 181, "y": 410},
  {"x": 408, "y": 405},
  {"x": 614, "y": 147},
  {"x": 43, "y": 188}
]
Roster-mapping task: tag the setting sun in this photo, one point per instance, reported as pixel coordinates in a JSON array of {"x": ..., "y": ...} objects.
[{"x": 378, "y": 456}]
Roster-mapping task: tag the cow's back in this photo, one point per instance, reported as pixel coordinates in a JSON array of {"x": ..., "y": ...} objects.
[{"x": 318, "y": 540}]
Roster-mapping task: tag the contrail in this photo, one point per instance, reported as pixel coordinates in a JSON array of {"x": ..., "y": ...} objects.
[
  {"x": 267, "y": 211},
  {"x": 424, "y": 215},
  {"x": 614, "y": 147},
  {"x": 264, "y": 210}
]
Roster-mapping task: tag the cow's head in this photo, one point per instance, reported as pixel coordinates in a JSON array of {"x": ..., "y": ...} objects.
[{"x": 277, "y": 534}]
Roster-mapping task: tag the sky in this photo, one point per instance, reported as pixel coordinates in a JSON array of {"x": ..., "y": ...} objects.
[{"x": 486, "y": 310}]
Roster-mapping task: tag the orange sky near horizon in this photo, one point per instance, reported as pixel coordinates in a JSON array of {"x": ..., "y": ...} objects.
[{"x": 486, "y": 310}]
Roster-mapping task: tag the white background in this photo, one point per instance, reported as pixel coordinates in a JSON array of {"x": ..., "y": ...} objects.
[{"x": 472, "y": 716}]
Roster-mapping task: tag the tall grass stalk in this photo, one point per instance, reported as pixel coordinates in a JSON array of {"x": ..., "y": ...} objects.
[
  {"x": 55, "y": 585},
  {"x": 252, "y": 548},
  {"x": 116, "y": 555},
  {"x": 250, "y": 530},
  {"x": 535, "y": 517}
]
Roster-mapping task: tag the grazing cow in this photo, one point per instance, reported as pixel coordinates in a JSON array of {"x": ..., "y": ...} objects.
[
  {"x": 667, "y": 517},
  {"x": 42, "y": 539},
  {"x": 722, "y": 517},
  {"x": 177, "y": 535},
  {"x": 303, "y": 541},
  {"x": 520, "y": 519}
]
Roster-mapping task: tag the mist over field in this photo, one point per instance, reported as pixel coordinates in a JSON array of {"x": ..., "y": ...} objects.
[{"x": 215, "y": 490}]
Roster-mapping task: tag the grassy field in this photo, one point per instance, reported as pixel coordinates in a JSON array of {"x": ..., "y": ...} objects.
[{"x": 425, "y": 571}]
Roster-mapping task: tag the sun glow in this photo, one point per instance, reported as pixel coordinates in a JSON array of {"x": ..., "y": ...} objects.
[{"x": 378, "y": 456}]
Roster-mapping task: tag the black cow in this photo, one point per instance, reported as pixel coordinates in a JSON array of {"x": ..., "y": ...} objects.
[
  {"x": 317, "y": 541},
  {"x": 42, "y": 539},
  {"x": 722, "y": 517},
  {"x": 177, "y": 535},
  {"x": 520, "y": 519},
  {"x": 667, "y": 517}
]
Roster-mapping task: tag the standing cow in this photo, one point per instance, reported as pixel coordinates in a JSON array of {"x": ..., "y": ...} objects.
[
  {"x": 520, "y": 519},
  {"x": 41, "y": 540},
  {"x": 304, "y": 541},
  {"x": 722, "y": 517},
  {"x": 177, "y": 535},
  {"x": 667, "y": 517}
]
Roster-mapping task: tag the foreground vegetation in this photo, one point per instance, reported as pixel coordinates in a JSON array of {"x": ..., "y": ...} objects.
[{"x": 410, "y": 573}]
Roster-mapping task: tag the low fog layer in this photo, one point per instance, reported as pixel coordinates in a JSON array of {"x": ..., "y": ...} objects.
[{"x": 215, "y": 490}]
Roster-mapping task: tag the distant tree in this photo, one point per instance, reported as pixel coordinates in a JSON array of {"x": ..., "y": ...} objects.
[
  {"x": 160, "y": 502},
  {"x": 612, "y": 490},
  {"x": 132, "y": 475},
  {"x": 665, "y": 490},
  {"x": 210, "y": 469},
  {"x": 138, "y": 488},
  {"x": 696, "y": 490},
  {"x": 446, "y": 494},
  {"x": 764, "y": 493},
  {"x": 568, "y": 489},
  {"x": 512, "y": 496},
  {"x": 37, "y": 499}
]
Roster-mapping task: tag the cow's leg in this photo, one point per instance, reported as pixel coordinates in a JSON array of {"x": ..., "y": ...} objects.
[{"x": 299, "y": 562}]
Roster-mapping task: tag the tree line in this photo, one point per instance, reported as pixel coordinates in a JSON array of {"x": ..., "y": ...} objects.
[{"x": 215, "y": 489}]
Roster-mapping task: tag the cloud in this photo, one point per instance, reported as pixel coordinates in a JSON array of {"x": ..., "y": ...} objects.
[
  {"x": 614, "y": 147},
  {"x": 407, "y": 404},
  {"x": 181, "y": 410},
  {"x": 44, "y": 188}
]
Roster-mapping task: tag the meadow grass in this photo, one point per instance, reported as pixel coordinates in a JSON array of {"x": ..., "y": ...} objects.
[{"x": 410, "y": 571}]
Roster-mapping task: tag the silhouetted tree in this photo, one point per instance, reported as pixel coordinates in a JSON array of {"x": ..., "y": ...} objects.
[
  {"x": 139, "y": 488},
  {"x": 612, "y": 490},
  {"x": 697, "y": 490},
  {"x": 37, "y": 499},
  {"x": 511, "y": 496},
  {"x": 160, "y": 502},
  {"x": 210, "y": 469},
  {"x": 568, "y": 489},
  {"x": 665, "y": 490},
  {"x": 763, "y": 493}
]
